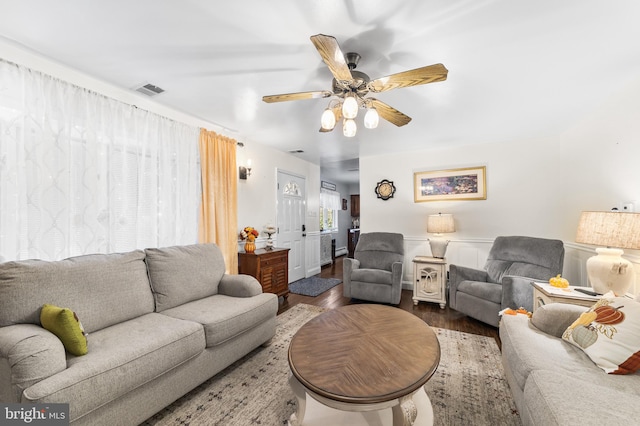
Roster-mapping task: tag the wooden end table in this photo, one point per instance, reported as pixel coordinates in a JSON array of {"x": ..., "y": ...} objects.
[{"x": 363, "y": 358}]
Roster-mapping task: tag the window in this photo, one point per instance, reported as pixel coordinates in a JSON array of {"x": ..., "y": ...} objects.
[
  {"x": 329, "y": 206},
  {"x": 82, "y": 173}
]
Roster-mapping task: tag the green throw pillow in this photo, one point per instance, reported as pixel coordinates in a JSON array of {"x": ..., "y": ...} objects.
[{"x": 65, "y": 324}]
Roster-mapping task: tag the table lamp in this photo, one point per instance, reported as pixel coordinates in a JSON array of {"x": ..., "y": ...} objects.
[
  {"x": 439, "y": 224},
  {"x": 608, "y": 271}
]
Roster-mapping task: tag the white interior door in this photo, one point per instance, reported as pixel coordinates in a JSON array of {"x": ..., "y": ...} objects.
[{"x": 292, "y": 210}]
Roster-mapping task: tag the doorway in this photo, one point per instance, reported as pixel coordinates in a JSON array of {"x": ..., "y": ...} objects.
[{"x": 291, "y": 216}]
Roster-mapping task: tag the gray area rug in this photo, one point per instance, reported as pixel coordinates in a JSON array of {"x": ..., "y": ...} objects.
[
  {"x": 313, "y": 286},
  {"x": 468, "y": 387}
]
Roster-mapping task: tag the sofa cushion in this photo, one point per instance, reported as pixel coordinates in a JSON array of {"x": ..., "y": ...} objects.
[
  {"x": 528, "y": 349},
  {"x": 181, "y": 274},
  {"x": 122, "y": 358},
  {"x": 225, "y": 317},
  {"x": 103, "y": 289},
  {"x": 609, "y": 333},
  {"x": 560, "y": 399},
  {"x": 554, "y": 318},
  {"x": 482, "y": 290},
  {"x": 64, "y": 323}
]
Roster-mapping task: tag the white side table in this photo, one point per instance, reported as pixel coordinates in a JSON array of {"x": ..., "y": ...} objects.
[
  {"x": 544, "y": 293},
  {"x": 429, "y": 280}
]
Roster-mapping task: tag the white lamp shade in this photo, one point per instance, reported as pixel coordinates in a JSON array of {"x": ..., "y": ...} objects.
[
  {"x": 440, "y": 223},
  {"x": 609, "y": 229},
  {"x": 371, "y": 118},
  {"x": 349, "y": 128},
  {"x": 328, "y": 119},
  {"x": 350, "y": 107}
]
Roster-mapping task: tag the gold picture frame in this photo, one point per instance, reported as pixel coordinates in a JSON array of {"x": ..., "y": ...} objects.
[{"x": 455, "y": 184}]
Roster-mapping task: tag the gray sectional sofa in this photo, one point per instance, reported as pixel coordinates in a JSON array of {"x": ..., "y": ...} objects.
[
  {"x": 159, "y": 321},
  {"x": 554, "y": 382}
]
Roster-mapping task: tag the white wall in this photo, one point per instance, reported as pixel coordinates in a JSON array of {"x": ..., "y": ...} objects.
[
  {"x": 257, "y": 195},
  {"x": 534, "y": 187}
]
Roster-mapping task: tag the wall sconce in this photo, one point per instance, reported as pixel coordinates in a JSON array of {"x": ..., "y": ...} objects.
[{"x": 245, "y": 172}]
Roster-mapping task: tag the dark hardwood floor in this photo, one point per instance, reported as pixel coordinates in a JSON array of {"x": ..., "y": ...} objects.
[{"x": 428, "y": 312}]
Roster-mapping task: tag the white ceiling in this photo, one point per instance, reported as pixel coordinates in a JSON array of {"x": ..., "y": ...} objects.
[{"x": 517, "y": 69}]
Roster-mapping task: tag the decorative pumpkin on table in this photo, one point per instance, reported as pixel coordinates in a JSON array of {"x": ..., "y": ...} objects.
[
  {"x": 559, "y": 282},
  {"x": 250, "y": 234}
]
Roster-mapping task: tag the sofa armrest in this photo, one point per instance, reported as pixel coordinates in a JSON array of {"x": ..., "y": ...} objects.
[
  {"x": 517, "y": 292},
  {"x": 28, "y": 354},
  {"x": 348, "y": 266},
  {"x": 554, "y": 318},
  {"x": 240, "y": 285}
]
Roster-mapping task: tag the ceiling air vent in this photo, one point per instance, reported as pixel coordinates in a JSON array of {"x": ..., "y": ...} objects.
[{"x": 149, "y": 90}]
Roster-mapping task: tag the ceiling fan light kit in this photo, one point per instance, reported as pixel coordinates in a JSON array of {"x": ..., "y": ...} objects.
[
  {"x": 350, "y": 106},
  {"x": 328, "y": 119},
  {"x": 349, "y": 127},
  {"x": 371, "y": 118},
  {"x": 351, "y": 88}
]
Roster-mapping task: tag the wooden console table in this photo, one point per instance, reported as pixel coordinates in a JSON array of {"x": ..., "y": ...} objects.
[{"x": 270, "y": 267}]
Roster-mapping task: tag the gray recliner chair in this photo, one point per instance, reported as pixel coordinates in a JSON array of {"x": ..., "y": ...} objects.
[
  {"x": 375, "y": 272},
  {"x": 505, "y": 282}
]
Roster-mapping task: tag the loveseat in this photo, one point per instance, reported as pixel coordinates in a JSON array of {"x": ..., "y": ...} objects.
[
  {"x": 554, "y": 382},
  {"x": 160, "y": 321}
]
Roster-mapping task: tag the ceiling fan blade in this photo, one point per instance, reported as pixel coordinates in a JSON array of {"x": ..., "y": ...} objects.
[
  {"x": 424, "y": 75},
  {"x": 332, "y": 55},
  {"x": 297, "y": 96},
  {"x": 337, "y": 112},
  {"x": 390, "y": 114}
]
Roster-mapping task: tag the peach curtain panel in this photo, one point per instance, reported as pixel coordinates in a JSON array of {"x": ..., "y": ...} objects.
[{"x": 219, "y": 207}]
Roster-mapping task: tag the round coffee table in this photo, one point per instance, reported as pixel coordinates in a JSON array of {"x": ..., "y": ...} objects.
[{"x": 362, "y": 358}]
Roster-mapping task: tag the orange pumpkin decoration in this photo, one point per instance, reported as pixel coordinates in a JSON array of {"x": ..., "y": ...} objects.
[{"x": 609, "y": 315}]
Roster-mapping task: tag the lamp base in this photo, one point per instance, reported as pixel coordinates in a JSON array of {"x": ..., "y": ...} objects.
[
  {"x": 438, "y": 247},
  {"x": 609, "y": 271}
]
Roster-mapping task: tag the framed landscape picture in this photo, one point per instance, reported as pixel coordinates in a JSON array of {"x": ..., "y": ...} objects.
[{"x": 455, "y": 184}]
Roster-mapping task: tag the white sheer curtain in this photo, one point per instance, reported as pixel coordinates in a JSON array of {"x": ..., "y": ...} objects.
[
  {"x": 330, "y": 199},
  {"x": 82, "y": 173}
]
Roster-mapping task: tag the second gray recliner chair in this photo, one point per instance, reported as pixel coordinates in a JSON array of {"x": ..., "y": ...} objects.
[{"x": 375, "y": 272}]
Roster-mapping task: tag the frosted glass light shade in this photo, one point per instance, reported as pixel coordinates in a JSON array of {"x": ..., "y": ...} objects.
[
  {"x": 328, "y": 119},
  {"x": 349, "y": 128},
  {"x": 371, "y": 119},
  {"x": 350, "y": 107}
]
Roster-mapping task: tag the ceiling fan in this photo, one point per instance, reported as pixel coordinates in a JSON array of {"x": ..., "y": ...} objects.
[{"x": 351, "y": 89}]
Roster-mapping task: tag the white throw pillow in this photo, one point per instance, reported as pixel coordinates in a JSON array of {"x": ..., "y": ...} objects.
[{"x": 609, "y": 333}]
